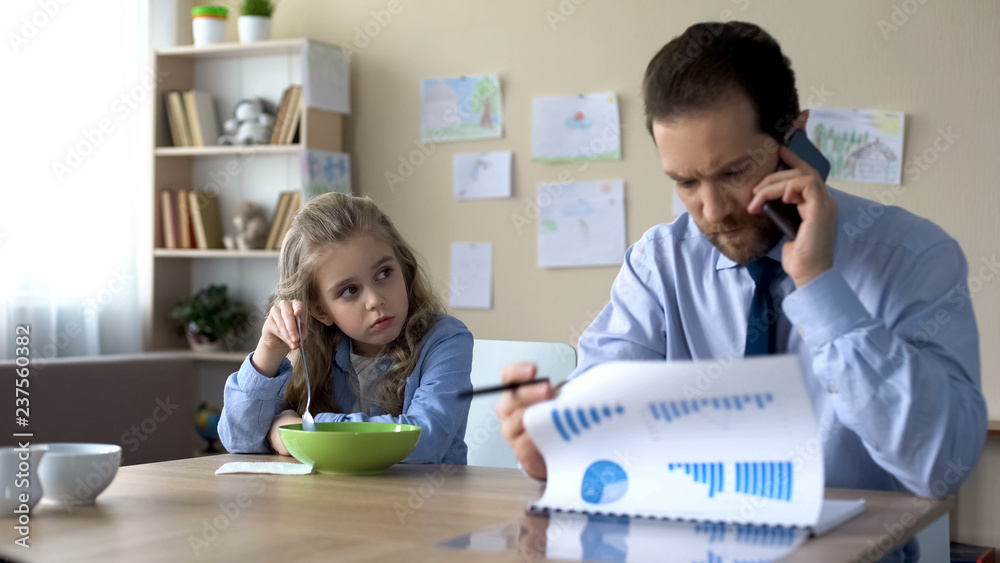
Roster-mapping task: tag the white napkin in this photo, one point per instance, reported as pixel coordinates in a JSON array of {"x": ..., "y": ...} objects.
[{"x": 274, "y": 467}]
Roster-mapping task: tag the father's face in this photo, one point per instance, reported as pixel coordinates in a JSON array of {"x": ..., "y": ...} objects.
[{"x": 715, "y": 157}]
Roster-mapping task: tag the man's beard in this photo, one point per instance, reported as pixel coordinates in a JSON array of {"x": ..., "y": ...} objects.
[{"x": 759, "y": 236}]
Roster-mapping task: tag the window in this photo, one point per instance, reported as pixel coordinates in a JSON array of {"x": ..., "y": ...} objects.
[{"x": 77, "y": 95}]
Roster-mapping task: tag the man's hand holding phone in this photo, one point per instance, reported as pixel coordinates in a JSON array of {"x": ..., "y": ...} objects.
[{"x": 811, "y": 252}]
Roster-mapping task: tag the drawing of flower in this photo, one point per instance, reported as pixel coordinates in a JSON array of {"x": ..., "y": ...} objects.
[{"x": 579, "y": 121}]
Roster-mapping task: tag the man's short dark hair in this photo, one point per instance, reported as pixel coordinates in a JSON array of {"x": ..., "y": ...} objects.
[{"x": 708, "y": 62}]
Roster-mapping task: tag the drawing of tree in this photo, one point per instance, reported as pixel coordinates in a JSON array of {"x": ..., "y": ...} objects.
[
  {"x": 485, "y": 97},
  {"x": 837, "y": 146}
]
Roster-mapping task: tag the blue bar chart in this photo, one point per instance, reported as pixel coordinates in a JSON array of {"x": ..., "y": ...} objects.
[
  {"x": 711, "y": 474},
  {"x": 574, "y": 421},
  {"x": 671, "y": 411},
  {"x": 767, "y": 479}
]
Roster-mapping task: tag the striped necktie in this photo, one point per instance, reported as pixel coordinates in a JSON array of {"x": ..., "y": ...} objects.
[{"x": 762, "y": 324}]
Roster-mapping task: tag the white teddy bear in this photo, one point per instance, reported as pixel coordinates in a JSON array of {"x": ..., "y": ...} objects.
[
  {"x": 252, "y": 228},
  {"x": 251, "y": 124}
]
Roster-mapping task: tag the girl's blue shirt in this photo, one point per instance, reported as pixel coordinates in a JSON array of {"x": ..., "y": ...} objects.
[{"x": 431, "y": 399}]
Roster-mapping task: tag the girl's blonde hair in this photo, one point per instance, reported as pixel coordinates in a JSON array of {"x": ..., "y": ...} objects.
[{"x": 331, "y": 219}]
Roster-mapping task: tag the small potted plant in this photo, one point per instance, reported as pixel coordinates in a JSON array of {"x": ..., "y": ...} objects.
[
  {"x": 208, "y": 317},
  {"x": 255, "y": 20},
  {"x": 208, "y": 24}
]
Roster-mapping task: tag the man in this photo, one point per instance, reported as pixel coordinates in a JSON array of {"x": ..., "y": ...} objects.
[{"x": 882, "y": 309}]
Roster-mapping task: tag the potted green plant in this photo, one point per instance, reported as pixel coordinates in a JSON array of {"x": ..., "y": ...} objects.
[
  {"x": 208, "y": 316},
  {"x": 255, "y": 20},
  {"x": 208, "y": 24}
]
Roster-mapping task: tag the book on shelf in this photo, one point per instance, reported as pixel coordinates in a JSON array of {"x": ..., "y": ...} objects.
[
  {"x": 296, "y": 135},
  {"x": 297, "y": 117},
  {"x": 293, "y": 117},
  {"x": 277, "y": 220},
  {"x": 184, "y": 213},
  {"x": 293, "y": 207},
  {"x": 202, "y": 122},
  {"x": 177, "y": 120},
  {"x": 288, "y": 205},
  {"x": 191, "y": 219},
  {"x": 206, "y": 218},
  {"x": 282, "y": 115},
  {"x": 174, "y": 226},
  {"x": 294, "y": 131},
  {"x": 167, "y": 220}
]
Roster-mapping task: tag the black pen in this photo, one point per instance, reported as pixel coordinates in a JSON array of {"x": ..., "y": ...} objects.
[{"x": 499, "y": 388}]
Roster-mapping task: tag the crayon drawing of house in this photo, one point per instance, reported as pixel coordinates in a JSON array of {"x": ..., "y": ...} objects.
[{"x": 873, "y": 161}]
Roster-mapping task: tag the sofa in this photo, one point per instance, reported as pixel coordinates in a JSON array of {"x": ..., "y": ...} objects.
[{"x": 144, "y": 402}]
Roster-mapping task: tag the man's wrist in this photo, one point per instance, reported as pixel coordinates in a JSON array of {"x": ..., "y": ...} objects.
[
  {"x": 824, "y": 309},
  {"x": 803, "y": 279}
]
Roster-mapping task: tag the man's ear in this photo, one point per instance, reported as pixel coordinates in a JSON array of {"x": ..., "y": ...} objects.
[
  {"x": 800, "y": 121},
  {"x": 319, "y": 314}
]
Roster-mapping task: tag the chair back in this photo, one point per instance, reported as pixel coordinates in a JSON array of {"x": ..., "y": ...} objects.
[{"x": 486, "y": 444}]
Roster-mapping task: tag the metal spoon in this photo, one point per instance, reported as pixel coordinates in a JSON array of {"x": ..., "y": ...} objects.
[{"x": 307, "y": 419}]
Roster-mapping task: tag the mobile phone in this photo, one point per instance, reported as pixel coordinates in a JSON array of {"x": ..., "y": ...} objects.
[{"x": 786, "y": 215}]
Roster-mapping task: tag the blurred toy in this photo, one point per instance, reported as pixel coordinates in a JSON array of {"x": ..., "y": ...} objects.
[
  {"x": 251, "y": 124},
  {"x": 206, "y": 424},
  {"x": 252, "y": 228}
]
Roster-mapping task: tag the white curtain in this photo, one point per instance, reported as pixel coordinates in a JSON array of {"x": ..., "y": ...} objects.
[{"x": 74, "y": 221}]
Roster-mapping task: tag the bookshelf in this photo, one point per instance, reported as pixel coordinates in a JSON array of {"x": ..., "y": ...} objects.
[
  {"x": 213, "y": 253},
  {"x": 232, "y": 72},
  {"x": 228, "y": 150}
]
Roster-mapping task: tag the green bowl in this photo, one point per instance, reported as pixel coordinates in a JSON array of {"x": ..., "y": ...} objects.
[{"x": 350, "y": 448}]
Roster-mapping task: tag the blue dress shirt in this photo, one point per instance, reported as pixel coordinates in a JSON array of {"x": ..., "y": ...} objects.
[
  {"x": 889, "y": 333},
  {"x": 431, "y": 397}
]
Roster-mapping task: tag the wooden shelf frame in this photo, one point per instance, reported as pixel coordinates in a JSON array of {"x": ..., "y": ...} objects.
[
  {"x": 273, "y": 47},
  {"x": 222, "y": 150},
  {"x": 213, "y": 253},
  {"x": 250, "y": 69}
]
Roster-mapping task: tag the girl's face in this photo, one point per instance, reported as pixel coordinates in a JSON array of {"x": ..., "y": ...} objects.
[{"x": 361, "y": 290}]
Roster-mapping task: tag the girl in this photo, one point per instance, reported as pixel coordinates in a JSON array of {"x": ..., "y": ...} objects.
[{"x": 378, "y": 344}]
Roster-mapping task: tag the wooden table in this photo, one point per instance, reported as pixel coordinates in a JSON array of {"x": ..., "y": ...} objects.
[{"x": 181, "y": 511}]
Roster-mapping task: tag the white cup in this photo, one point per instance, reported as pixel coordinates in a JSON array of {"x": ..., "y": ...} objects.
[{"x": 20, "y": 483}]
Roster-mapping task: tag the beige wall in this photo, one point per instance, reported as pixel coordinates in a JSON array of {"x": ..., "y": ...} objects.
[{"x": 939, "y": 66}]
